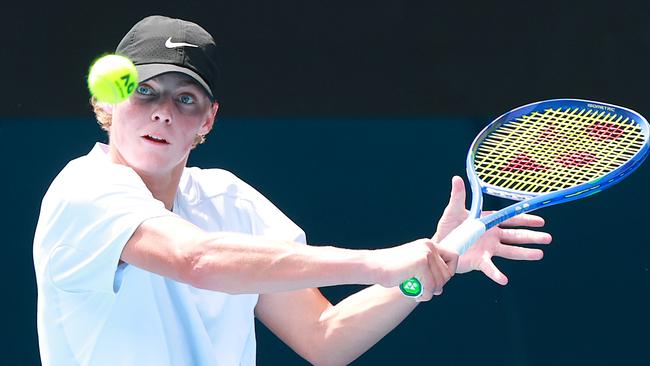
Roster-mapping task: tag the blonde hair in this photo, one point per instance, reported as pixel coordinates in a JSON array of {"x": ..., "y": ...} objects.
[{"x": 105, "y": 119}]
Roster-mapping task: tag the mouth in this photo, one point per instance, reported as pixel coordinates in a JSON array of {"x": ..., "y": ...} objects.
[{"x": 155, "y": 139}]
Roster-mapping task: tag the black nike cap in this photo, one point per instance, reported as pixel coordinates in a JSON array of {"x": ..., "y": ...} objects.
[{"x": 159, "y": 44}]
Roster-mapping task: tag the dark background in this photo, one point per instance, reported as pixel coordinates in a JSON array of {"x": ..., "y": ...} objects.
[{"x": 352, "y": 117}]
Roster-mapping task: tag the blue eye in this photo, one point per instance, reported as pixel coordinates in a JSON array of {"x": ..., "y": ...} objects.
[
  {"x": 186, "y": 99},
  {"x": 144, "y": 90}
]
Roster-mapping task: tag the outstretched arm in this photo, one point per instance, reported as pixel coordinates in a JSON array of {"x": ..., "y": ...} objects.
[
  {"x": 337, "y": 334},
  {"x": 239, "y": 263}
]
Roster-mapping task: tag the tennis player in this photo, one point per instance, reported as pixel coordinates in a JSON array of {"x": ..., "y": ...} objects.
[{"x": 141, "y": 260}]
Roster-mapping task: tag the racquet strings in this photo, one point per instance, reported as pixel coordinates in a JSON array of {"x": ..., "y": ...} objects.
[{"x": 555, "y": 149}]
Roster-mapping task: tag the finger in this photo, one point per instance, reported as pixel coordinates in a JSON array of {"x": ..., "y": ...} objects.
[
  {"x": 524, "y": 236},
  {"x": 438, "y": 269},
  {"x": 490, "y": 270},
  {"x": 519, "y": 253},
  {"x": 427, "y": 277},
  {"x": 457, "y": 196},
  {"x": 436, "y": 265},
  {"x": 524, "y": 220},
  {"x": 426, "y": 296},
  {"x": 426, "y": 280},
  {"x": 447, "y": 262},
  {"x": 450, "y": 258}
]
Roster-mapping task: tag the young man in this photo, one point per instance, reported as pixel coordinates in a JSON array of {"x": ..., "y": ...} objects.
[{"x": 143, "y": 261}]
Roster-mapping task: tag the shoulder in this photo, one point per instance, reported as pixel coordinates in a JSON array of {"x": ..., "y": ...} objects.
[
  {"x": 95, "y": 167},
  {"x": 89, "y": 177}
]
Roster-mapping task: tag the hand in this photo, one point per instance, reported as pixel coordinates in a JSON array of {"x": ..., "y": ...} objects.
[
  {"x": 495, "y": 242},
  {"x": 422, "y": 259}
]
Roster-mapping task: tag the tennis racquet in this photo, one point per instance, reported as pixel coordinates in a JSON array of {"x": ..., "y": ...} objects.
[{"x": 542, "y": 154}]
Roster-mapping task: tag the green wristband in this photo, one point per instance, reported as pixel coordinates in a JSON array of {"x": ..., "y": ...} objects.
[{"x": 411, "y": 287}]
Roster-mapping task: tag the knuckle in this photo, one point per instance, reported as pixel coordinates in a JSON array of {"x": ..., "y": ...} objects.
[
  {"x": 423, "y": 261},
  {"x": 427, "y": 242}
]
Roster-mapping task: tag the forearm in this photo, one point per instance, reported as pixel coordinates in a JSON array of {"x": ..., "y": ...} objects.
[
  {"x": 241, "y": 263},
  {"x": 358, "y": 322},
  {"x": 238, "y": 263}
]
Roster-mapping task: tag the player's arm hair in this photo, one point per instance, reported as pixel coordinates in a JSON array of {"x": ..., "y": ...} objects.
[{"x": 240, "y": 263}]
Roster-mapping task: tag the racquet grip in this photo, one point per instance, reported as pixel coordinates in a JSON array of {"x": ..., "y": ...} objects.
[
  {"x": 464, "y": 236},
  {"x": 457, "y": 241}
]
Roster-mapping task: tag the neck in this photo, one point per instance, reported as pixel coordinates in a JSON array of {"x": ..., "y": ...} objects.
[{"x": 163, "y": 186}]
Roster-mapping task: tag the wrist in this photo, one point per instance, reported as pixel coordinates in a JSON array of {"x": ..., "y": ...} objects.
[
  {"x": 343, "y": 266},
  {"x": 375, "y": 267}
]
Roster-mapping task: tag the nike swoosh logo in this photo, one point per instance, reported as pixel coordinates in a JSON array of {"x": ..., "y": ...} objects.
[{"x": 170, "y": 44}]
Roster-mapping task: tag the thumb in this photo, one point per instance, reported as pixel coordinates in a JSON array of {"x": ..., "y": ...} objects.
[
  {"x": 455, "y": 211},
  {"x": 457, "y": 196}
]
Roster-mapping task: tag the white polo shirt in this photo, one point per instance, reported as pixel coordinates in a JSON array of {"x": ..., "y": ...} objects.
[{"x": 93, "y": 311}]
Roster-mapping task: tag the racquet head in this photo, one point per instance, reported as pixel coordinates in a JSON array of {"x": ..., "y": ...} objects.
[
  {"x": 563, "y": 149},
  {"x": 546, "y": 153}
]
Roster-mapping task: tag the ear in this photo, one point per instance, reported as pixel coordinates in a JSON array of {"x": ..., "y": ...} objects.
[
  {"x": 209, "y": 122},
  {"x": 106, "y": 107}
]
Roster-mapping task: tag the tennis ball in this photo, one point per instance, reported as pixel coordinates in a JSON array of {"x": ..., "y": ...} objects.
[{"x": 112, "y": 78}]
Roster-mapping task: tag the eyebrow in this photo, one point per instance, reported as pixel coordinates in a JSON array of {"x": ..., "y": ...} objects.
[
  {"x": 185, "y": 81},
  {"x": 189, "y": 81},
  {"x": 192, "y": 82}
]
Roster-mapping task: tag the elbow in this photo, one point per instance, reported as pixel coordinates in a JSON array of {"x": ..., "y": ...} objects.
[
  {"x": 203, "y": 267},
  {"x": 316, "y": 356},
  {"x": 324, "y": 349},
  {"x": 198, "y": 270},
  {"x": 323, "y": 360},
  {"x": 189, "y": 262},
  {"x": 326, "y": 358},
  {"x": 194, "y": 264}
]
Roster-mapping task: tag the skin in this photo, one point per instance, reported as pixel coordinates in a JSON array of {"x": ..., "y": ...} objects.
[
  {"x": 286, "y": 274},
  {"x": 170, "y": 106}
]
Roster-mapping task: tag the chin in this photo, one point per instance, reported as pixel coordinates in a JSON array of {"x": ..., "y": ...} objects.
[
  {"x": 153, "y": 163},
  {"x": 149, "y": 160}
]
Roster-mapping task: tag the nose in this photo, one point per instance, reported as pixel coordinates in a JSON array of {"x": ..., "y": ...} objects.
[{"x": 162, "y": 112}]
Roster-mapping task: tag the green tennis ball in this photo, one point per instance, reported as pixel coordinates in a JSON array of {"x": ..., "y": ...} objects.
[{"x": 112, "y": 78}]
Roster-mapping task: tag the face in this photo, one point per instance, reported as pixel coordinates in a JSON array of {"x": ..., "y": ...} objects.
[{"x": 154, "y": 130}]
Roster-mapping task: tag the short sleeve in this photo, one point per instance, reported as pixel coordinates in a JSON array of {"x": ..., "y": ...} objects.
[{"x": 86, "y": 219}]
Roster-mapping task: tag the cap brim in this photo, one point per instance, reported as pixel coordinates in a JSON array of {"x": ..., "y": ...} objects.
[{"x": 148, "y": 71}]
